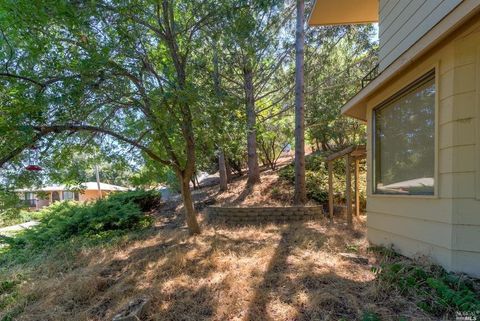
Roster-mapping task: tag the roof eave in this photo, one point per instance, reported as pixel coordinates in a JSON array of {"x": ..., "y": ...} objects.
[
  {"x": 343, "y": 12},
  {"x": 357, "y": 106}
]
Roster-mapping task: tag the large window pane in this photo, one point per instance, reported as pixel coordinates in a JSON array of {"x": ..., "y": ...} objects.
[
  {"x": 404, "y": 146},
  {"x": 68, "y": 196}
]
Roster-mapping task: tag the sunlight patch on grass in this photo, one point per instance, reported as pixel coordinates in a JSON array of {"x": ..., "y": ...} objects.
[{"x": 281, "y": 272}]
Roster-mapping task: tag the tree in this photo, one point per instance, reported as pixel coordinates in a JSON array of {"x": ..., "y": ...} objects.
[
  {"x": 337, "y": 58},
  {"x": 300, "y": 196},
  {"x": 115, "y": 74},
  {"x": 254, "y": 53},
  {"x": 275, "y": 135}
]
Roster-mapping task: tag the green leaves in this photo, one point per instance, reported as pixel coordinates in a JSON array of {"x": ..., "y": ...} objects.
[
  {"x": 336, "y": 60},
  {"x": 65, "y": 220},
  {"x": 436, "y": 291}
]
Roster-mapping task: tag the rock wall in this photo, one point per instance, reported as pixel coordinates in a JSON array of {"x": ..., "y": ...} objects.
[{"x": 264, "y": 214}]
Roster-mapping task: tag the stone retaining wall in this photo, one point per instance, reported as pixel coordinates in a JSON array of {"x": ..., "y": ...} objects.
[{"x": 264, "y": 214}]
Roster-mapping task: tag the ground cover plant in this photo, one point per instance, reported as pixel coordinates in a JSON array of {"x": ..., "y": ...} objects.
[
  {"x": 75, "y": 222},
  {"x": 16, "y": 216},
  {"x": 436, "y": 291},
  {"x": 12, "y": 210},
  {"x": 147, "y": 200}
]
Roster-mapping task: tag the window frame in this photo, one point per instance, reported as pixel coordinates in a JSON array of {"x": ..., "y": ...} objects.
[
  {"x": 32, "y": 194},
  {"x": 430, "y": 75},
  {"x": 30, "y": 199},
  {"x": 477, "y": 143},
  {"x": 74, "y": 194}
]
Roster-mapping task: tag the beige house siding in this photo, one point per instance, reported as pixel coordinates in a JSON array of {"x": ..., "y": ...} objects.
[
  {"x": 90, "y": 195},
  {"x": 477, "y": 154},
  {"x": 85, "y": 196},
  {"x": 403, "y": 22},
  {"x": 446, "y": 226}
]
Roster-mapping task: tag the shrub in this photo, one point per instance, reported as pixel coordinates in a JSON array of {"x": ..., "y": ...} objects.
[
  {"x": 15, "y": 216},
  {"x": 146, "y": 200},
  {"x": 316, "y": 176},
  {"x": 435, "y": 290},
  {"x": 64, "y": 220}
]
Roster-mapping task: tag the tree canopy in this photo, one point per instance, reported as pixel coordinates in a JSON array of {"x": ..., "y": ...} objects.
[{"x": 157, "y": 88}]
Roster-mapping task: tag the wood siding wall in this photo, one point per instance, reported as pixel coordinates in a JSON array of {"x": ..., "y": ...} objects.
[
  {"x": 403, "y": 22},
  {"x": 445, "y": 227}
]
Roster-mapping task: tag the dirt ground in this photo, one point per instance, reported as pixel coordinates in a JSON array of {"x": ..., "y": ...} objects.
[{"x": 272, "y": 272}]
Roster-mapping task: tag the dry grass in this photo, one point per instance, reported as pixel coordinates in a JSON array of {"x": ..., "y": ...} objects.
[
  {"x": 272, "y": 272},
  {"x": 272, "y": 191}
]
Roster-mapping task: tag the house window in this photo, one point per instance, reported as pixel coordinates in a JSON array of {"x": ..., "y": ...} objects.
[
  {"x": 404, "y": 141},
  {"x": 70, "y": 196},
  {"x": 30, "y": 200}
]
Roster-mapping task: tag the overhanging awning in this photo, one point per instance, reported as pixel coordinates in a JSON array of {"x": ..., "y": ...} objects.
[{"x": 340, "y": 12}]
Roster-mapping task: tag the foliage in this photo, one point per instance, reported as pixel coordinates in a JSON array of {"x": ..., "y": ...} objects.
[
  {"x": 435, "y": 290},
  {"x": 65, "y": 220},
  {"x": 370, "y": 316},
  {"x": 146, "y": 200},
  {"x": 8, "y": 293},
  {"x": 337, "y": 58},
  {"x": 10, "y": 208},
  {"x": 274, "y": 137},
  {"x": 112, "y": 74},
  {"x": 316, "y": 174},
  {"x": 15, "y": 216},
  {"x": 148, "y": 85}
]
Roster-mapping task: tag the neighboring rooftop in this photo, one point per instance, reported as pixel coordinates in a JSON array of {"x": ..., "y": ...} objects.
[{"x": 85, "y": 186}]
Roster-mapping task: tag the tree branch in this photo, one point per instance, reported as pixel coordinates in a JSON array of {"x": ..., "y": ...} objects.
[{"x": 57, "y": 129}]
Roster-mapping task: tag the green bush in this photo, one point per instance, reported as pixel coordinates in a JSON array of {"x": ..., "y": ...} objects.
[
  {"x": 14, "y": 216},
  {"x": 146, "y": 200},
  {"x": 316, "y": 176},
  {"x": 64, "y": 220},
  {"x": 436, "y": 291}
]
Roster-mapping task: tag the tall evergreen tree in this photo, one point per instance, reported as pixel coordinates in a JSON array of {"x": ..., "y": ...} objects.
[{"x": 300, "y": 196}]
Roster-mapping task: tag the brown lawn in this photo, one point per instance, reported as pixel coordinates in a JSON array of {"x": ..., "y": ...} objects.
[{"x": 272, "y": 272}]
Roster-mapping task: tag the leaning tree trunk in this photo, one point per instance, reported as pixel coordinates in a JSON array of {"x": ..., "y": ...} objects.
[
  {"x": 253, "y": 168},
  {"x": 190, "y": 215},
  {"x": 300, "y": 188},
  {"x": 222, "y": 170}
]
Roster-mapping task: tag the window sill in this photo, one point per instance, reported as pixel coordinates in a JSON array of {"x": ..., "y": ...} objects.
[{"x": 429, "y": 197}]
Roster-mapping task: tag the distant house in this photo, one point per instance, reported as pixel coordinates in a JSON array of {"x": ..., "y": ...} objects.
[
  {"x": 37, "y": 198},
  {"x": 421, "y": 105}
]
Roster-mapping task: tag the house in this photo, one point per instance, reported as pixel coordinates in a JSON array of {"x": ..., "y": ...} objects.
[
  {"x": 422, "y": 110},
  {"x": 38, "y": 198}
]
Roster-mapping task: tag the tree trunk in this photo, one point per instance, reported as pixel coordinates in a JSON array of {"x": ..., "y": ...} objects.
[
  {"x": 253, "y": 168},
  {"x": 222, "y": 170},
  {"x": 300, "y": 188},
  {"x": 228, "y": 169},
  {"x": 193, "y": 182},
  {"x": 190, "y": 215}
]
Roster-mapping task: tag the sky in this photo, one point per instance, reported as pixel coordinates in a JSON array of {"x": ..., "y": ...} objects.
[{"x": 375, "y": 37}]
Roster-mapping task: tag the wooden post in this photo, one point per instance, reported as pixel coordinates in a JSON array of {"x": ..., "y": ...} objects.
[
  {"x": 348, "y": 190},
  {"x": 357, "y": 187},
  {"x": 330, "y": 191}
]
